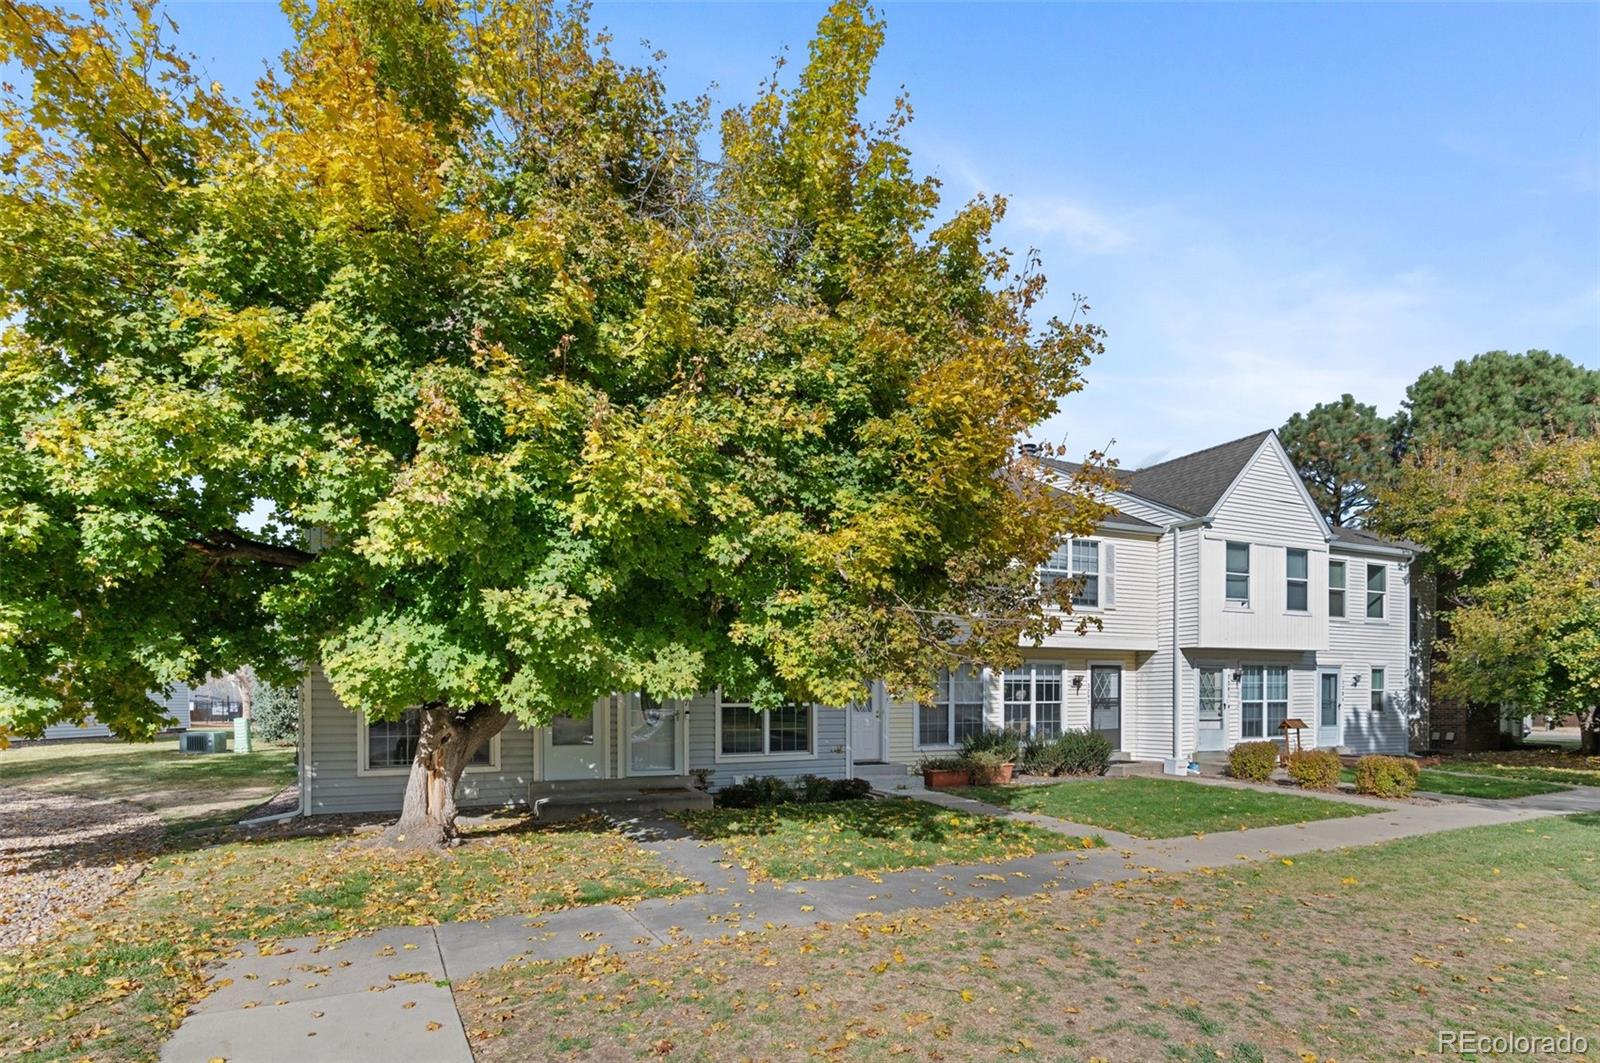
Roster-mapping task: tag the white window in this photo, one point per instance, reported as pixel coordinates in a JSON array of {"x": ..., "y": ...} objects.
[
  {"x": 957, "y": 709},
  {"x": 1336, "y": 579},
  {"x": 1299, "y": 576},
  {"x": 1263, "y": 701},
  {"x": 745, "y": 731},
  {"x": 1077, "y": 559},
  {"x": 1238, "y": 573},
  {"x": 1378, "y": 680},
  {"x": 1377, "y": 583},
  {"x": 387, "y": 747},
  {"x": 1032, "y": 700}
]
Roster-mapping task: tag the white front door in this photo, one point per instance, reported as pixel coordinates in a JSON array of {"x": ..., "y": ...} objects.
[
  {"x": 1329, "y": 733},
  {"x": 574, "y": 746},
  {"x": 866, "y": 730},
  {"x": 1212, "y": 726},
  {"x": 654, "y": 735}
]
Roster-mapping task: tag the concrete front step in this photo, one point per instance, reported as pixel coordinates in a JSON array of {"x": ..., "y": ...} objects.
[{"x": 616, "y": 801}]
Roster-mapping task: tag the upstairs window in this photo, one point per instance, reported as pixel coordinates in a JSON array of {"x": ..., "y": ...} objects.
[
  {"x": 1075, "y": 559},
  {"x": 1299, "y": 586},
  {"x": 1378, "y": 680},
  {"x": 1336, "y": 578},
  {"x": 957, "y": 709},
  {"x": 1238, "y": 573},
  {"x": 1377, "y": 584}
]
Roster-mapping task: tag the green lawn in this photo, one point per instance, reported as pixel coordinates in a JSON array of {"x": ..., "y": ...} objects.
[
  {"x": 1498, "y": 789},
  {"x": 1163, "y": 808},
  {"x": 113, "y": 987},
  {"x": 1348, "y": 955},
  {"x": 185, "y": 789},
  {"x": 837, "y": 838}
]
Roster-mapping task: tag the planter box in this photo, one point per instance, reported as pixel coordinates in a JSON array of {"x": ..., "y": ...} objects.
[
  {"x": 945, "y": 778},
  {"x": 1002, "y": 775}
]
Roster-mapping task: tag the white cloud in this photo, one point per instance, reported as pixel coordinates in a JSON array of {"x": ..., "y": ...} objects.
[{"x": 1084, "y": 229}]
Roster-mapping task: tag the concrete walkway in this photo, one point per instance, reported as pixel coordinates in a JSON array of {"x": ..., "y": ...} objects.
[{"x": 386, "y": 996}]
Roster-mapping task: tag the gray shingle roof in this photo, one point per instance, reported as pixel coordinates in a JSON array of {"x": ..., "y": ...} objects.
[
  {"x": 1071, "y": 467},
  {"x": 1362, "y": 537},
  {"x": 1195, "y": 482}
]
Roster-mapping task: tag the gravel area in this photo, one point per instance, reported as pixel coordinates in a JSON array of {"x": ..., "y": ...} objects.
[{"x": 63, "y": 856}]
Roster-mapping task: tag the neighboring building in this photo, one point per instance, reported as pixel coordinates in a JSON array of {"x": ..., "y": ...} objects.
[
  {"x": 175, "y": 701},
  {"x": 1226, "y": 605}
]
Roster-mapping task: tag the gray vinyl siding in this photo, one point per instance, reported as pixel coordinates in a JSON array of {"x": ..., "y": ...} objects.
[
  {"x": 176, "y": 703},
  {"x": 333, "y": 783},
  {"x": 828, "y": 757}
]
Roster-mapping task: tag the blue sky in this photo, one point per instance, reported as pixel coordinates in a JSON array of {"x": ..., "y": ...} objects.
[{"x": 1266, "y": 204}]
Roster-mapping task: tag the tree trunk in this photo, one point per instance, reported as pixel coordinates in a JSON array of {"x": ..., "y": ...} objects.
[
  {"x": 1589, "y": 733},
  {"x": 446, "y": 741}
]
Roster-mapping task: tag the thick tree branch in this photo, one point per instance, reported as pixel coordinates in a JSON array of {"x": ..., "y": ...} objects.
[{"x": 225, "y": 544}]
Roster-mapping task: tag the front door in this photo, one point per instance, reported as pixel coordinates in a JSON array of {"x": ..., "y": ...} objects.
[
  {"x": 866, "y": 730},
  {"x": 1105, "y": 702},
  {"x": 572, "y": 748},
  {"x": 654, "y": 737},
  {"x": 1212, "y": 731},
  {"x": 1329, "y": 733}
]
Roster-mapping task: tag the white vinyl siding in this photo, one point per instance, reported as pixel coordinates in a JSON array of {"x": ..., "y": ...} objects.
[
  {"x": 1356, "y": 645},
  {"x": 1127, "y": 583}
]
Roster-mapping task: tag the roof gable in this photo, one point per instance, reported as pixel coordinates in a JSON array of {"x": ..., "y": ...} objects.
[{"x": 1195, "y": 483}]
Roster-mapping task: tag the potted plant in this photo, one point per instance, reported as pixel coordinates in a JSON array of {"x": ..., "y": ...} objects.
[
  {"x": 941, "y": 773},
  {"x": 992, "y": 755},
  {"x": 988, "y": 767}
]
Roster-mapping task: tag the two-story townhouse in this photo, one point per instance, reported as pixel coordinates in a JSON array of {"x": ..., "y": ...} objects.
[
  {"x": 1223, "y": 605},
  {"x": 1263, "y": 612}
]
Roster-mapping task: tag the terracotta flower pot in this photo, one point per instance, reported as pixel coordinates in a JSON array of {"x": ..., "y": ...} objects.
[{"x": 945, "y": 778}]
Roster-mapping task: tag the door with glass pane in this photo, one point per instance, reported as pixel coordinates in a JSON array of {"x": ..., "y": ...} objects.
[
  {"x": 574, "y": 746},
  {"x": 1105, "y": 702},
  {"x": 1329, "y": 733},
  {"x": 1212, "y": 733},
  {"x": 653, "y": 733}
]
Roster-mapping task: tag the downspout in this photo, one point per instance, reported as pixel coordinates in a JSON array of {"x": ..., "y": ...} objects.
[
  {"x": 1177, "y": 714},
  {"x": 305, "y": 744}
]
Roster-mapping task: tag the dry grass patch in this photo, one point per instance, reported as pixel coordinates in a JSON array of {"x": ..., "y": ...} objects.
[
  {"x": 115, "y": 987},
  {"x": 1354, "y": 955},
  {"x": 184, "y": 789}
]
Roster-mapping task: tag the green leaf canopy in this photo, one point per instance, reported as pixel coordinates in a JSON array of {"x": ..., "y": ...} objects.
[{"x": 539, "y": 402}]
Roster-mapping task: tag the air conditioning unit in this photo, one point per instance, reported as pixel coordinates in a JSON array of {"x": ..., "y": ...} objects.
[{"x": 203, "y": 742}]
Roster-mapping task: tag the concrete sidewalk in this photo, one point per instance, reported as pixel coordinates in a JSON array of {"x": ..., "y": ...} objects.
[{"x": 386, "y": 996}]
